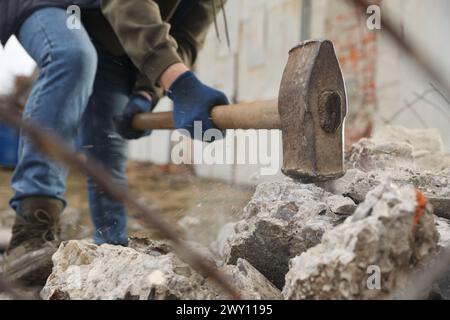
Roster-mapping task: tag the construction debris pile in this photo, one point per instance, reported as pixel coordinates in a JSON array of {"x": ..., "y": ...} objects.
[
  {"x": 145, "y": 270},
  {"x": 359, "y": 237}
]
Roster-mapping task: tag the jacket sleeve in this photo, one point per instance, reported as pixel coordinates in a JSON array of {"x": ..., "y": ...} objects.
[
  {"x": 191, "y": 33},
  {"x": 151, "y": 43},
  {"x": 144, "y": 84},
  {"x": 143, "y": 34}
]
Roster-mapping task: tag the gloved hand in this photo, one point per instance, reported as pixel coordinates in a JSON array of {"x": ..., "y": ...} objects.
[
  {"x": 137, "y": 104},
  {"x": 193, "y": 101}
]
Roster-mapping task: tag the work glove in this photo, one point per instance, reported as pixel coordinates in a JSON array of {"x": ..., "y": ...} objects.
[
  {"x": 193, "y": 102},
  {"x": 137, "y": 104}
]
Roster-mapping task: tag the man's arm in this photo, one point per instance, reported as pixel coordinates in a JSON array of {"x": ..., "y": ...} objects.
[
  {"x": 152, "y": 44},
  {"x": 146, "y": 39},
  {"x": 143, "y": 34},
  {"x": 190, "y": 33}
]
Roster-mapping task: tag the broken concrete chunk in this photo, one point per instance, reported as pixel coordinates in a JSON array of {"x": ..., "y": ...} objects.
[
  {"x": 381, "y": 237},
  {"x": 270, "y": 197},
  {"x": 432, "y": 162},
  {"x": 443, "y": 227},
  {"x": 397, "y": 147},
  {"x": 251, "y": 282},
  {"x": 340, "y": 205},
  {"x": 443, "y": 283},
  {"x": 86, "y": 271},
  {"x": 420, "y": 139},
  {"x": 282, "y": 220},
  {"x": 366, "y": 155},
  {"x": 356, "y": 184},
  {"x": 266, "y": 245},
  {"x": 441, "y": 205}
]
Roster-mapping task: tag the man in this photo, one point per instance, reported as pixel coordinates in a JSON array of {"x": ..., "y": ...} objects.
[
  {"x": 85, "y": 82},
  {"x": 163, "y": 52}
]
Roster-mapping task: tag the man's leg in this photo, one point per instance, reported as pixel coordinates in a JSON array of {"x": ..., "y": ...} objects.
[
  {"x": 67, "y": 62},
  {"x": 113, "y": 85}
]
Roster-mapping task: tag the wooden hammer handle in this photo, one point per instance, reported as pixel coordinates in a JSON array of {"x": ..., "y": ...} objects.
[{"x": 254, "y": 115}]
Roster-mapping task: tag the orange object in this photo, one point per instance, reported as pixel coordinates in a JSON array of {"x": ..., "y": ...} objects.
[{"x": 422, "y": 203}]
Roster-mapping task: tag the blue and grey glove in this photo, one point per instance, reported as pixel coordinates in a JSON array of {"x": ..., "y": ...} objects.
[
  {"x": 193, "y": 102},
  {"x": 137, "y": 104}
]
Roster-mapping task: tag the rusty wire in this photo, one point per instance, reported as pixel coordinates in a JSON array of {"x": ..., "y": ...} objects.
[
  {"x": 50, "y": 145},
  {"x": 423, "y": 279}
]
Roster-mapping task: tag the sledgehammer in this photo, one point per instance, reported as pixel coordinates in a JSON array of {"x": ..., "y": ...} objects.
[{"x": 310, "y": 111}]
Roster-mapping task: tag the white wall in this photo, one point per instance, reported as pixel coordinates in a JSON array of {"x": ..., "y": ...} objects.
[{"x": 14, "y": 61}]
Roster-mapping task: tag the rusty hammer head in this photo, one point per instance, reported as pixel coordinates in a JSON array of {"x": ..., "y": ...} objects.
[{"x": 312, "y": 105}]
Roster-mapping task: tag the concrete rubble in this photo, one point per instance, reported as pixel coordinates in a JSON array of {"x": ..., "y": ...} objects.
[
  {"x": 386, "y": 233},
  {"x": 83, "y": 270},
  {"x": 285, "y": 219},
  {"x": 390, "y": 214},
  {"x": 282, "y": 220},
  {"x": 396, "y": 147},
  {"x": 251, "y": 282},
  {"x": 443, "y": 283},
  {"x": 443, "y": 227},
  {"x": 435, "y": 185},
  {"x": 408, "y": 157}
]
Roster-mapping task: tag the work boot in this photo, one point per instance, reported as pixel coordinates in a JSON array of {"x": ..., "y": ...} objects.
[{"x": 35, "y": 238}]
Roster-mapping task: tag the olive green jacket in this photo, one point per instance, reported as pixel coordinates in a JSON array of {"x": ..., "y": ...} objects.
[{"x": 141, "y": 30}]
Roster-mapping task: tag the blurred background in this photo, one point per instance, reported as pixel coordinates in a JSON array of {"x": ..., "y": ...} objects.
[{"x": 384, "y": 88}]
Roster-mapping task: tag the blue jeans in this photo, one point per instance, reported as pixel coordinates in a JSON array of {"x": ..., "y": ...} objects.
[{"x": 80, "y": 89}]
